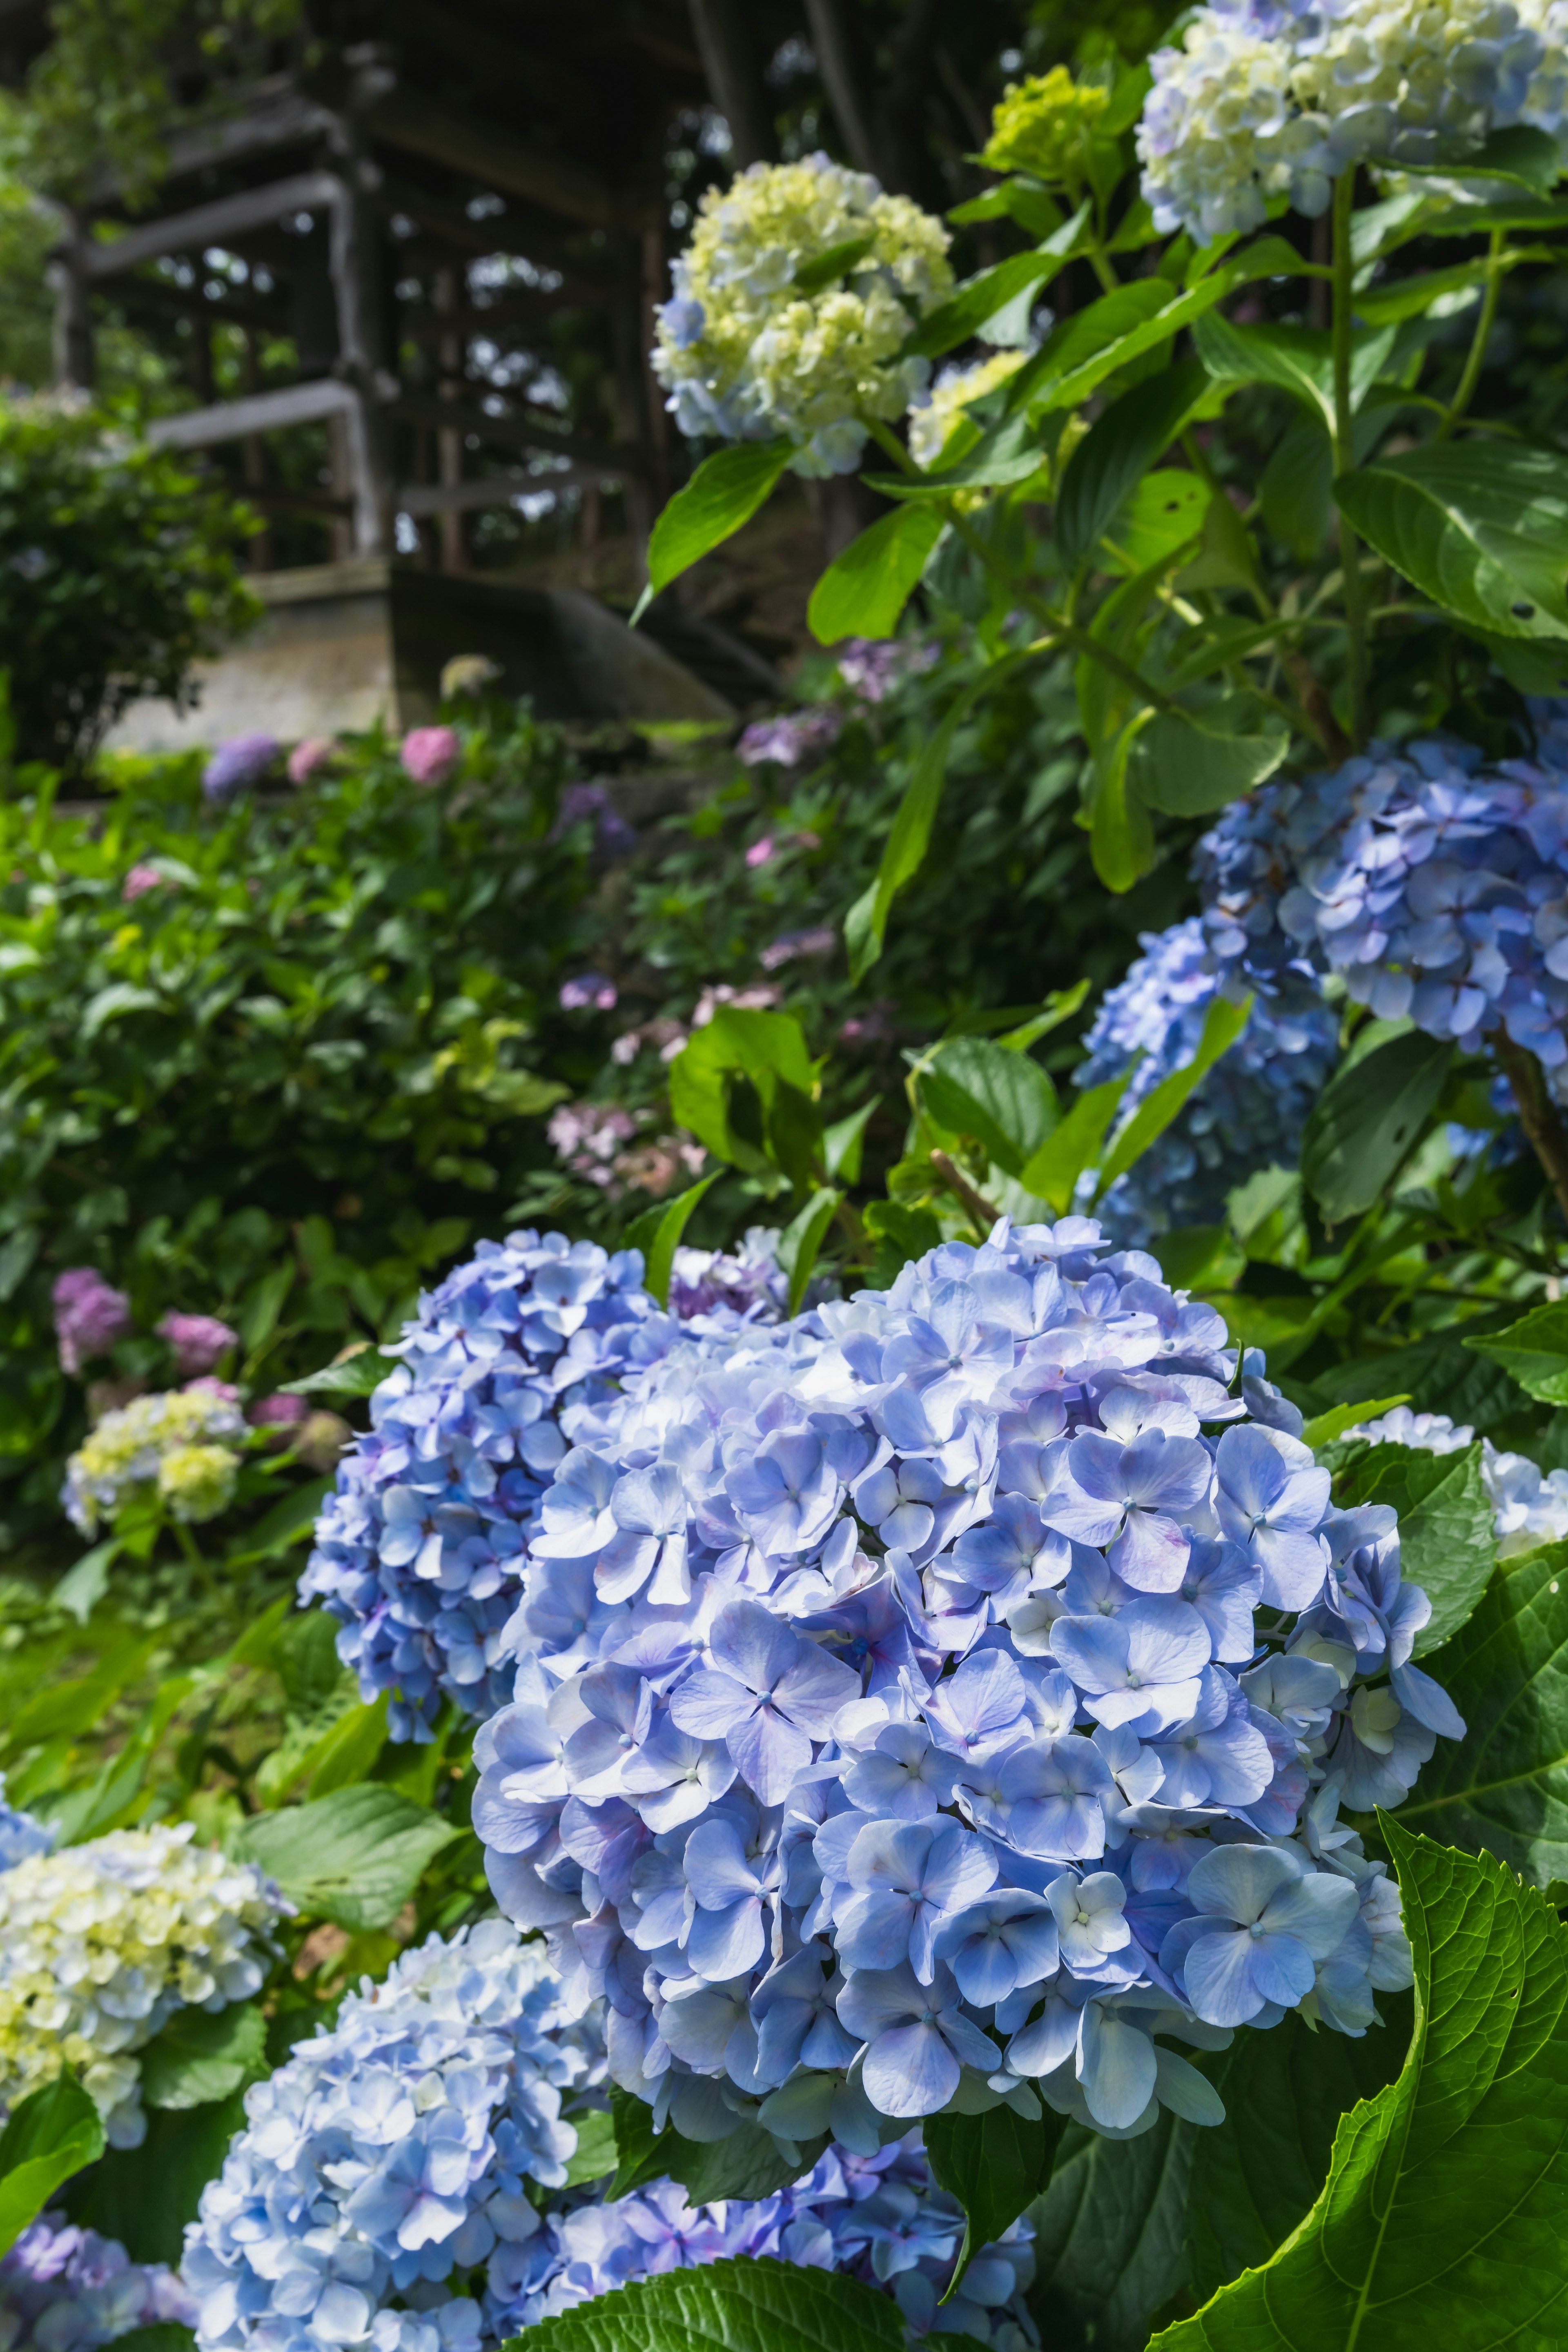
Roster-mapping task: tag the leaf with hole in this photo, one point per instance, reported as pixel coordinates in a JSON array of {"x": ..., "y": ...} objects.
[
  {"x": 1480, "y": 527},
  {"x": 1368, "y": 1120},
  {"x": 1117, "y": 452}
]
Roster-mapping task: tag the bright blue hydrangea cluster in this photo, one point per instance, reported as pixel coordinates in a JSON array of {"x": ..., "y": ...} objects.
[
  {"x": 880, "y": 2219},
  {"x": 1433, "y": 885},
  {"x": 394, "y": 2150},
  {"x": 377, "y": 2195},
  {"x": 955, "y": 1686},
  {"x": 1249, "y": 1109},
  {"x": 419, "y": 1548},
  {"x": 64, "y": 2289}
]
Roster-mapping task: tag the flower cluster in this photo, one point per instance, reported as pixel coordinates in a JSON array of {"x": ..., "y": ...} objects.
[
  {"x": 238, "y": 764},
  {"x": 392, "y": 2151},
  {"x": 22, "y": 1835},
  {"x": 748, "y": 353},
  {"x": 89, "y": 1316},
  {"x": 792, "y": 738},
  {"x": 614, "y": 836},
  {"x": 932, "y": 423},
  {"x": 180, "y": 1444},
  {"x": 197, "y": 1340},
  {"x": 1530, "y": 1508},
  {"x": 429, "y": 754},
  {"x": 102, "y": 1943},
  {"x": 68, "y": 2290},
  {"x": 871, "y": 667},
  {"x": 1436, "y": 887},
  {"x": 749, "y": 1279},
  {"x": 895, "y": 1710},
  {"x": 377, "y": 2196},
  {"x": 1273, "y": 98},
  {"x": 1045, "y": 125},
  {"x": 419, "y": 1549},
  {"x": 1246, "y": 1112},
  {"x": 877, "y": 2217}
]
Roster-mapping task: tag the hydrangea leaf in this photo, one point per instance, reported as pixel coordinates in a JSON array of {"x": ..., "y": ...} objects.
[
  {"x": 357, "y": 1373},
  {"x": 159, "y": 2336},
  {"x": 1003, "y": 1099},
  {"x": 750, "y": 2163},
  {"x": 1325, "y": 1427},
  {"x": 863, "y": 592},
  {"x": 758, "y": 2304},
  {"x": 1535, "y": 1350},
  {"x": 1447, "y": 1543},
  {"x": 1368, "y": 1118},
  {"x": 1117, "y": 452},
  {"x": 832, "y": 261},
  {"x": 354, "y": 1857},
  {"x": 144, "y": 2196},
  {"x": 1439, "y": 1368},
  {"x": 908, "y": 836},
  {"x": 1296, "y": 359},
  {"x": 1109, "y": 2232},
  {"x": 1256, "y": 2175},
  {"x": 1223, "y": 1024},
  {"x": 996, "y": 2164},
  {"x": 658, "y": 1232},
  {"x": 201, "y": 2055},
  {"x": 981, "y": 296},
  {"x": 1504, "y": 1788},
  {"x": 596, "y": 2154},
  {"x": 1189, "y": 769},
  {"x": 800, "y": 1241},
  {"x": 1480, "y": 527},
  {"x": 50, "y": 2135},
  {"x": 723, "y": 493},
  {"x": 1442, "y": 2215},
  {"x": 1053, "y": 1172}
]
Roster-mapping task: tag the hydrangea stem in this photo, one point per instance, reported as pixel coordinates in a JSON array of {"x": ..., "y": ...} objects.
[
  {"x": 1538, "y": 1115},
  {"x": 1344, "y": 448},
  {"x": 1464, "y": 391}
]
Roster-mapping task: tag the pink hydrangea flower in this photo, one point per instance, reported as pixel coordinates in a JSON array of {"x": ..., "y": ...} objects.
[
  {"x": 140, "y": 879},
  {"x": 89, "y": 1316},
  {"x": 431, "y": 753},
  {"x": 308, "y": 758},
  {"x": 279, "y": 1412},
  {"x": 761, "y": 851},
  {"x": 197, "y": 1340}
]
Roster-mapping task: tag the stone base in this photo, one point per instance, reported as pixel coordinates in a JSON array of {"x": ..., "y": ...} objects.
[{"x": 343, "y": 644}]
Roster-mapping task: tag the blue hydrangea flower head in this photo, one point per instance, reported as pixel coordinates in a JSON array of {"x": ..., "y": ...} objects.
[
  {"x": 1246, "y": 1113},
  {"x": 884, "y": 1676},
  {"x": 64, "y": 2289},
  {"x": 21, "y": 1834}
]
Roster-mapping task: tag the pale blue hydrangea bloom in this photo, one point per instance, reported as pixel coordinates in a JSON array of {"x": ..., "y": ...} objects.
[
  {"x": 883, "y": 1675},
  {"x": 1246, "y": 1113},
  {"x": 64, "y": 2289},
  {"x": 22, "y": 1835}
]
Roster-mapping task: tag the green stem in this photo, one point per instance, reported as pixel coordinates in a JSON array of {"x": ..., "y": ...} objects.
[
  {"x": 887, "y": 441},
  {"x": 1100, "y": 262},
  {"x": 1355, "y": 590},
  {"x": 1478, "y": 341}
]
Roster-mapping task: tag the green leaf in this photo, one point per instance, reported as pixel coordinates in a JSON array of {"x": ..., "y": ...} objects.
[
  {"x": 1367, "y": 1120},
  {"x": 1018, "y": 199},
  {"x": 1223, "y": 1024},
  {"x": 1503, "y": 1788},
  {"x": 1439, "y": 1373},
  {"x": 980, "y": 298},
  {"x": 1117, "y": 452},
  {"x": 1163, "y": 517},
  {"x": 1256, "y": 2175},
  {"x": 144, "y": 2196},
  {"x": 865, "y": 925},
  {"x": 1120, "y": 837},
  {"x": 83, "y": 1585},
  {"x": 1296, "y": 359},
  {"x": 1447, "y": 1541},
  {"x": 1480, "y": 527},
  {"x": 50, "y": 2135},
  {"x": 752, "y": 2305},
  {"x": 199, "y": 2057},
  {"x": 1053, "y": 1172},
  {"x": 351, "y": 1751},
  {"x": 996, "y": 2164},
  {"x": 901, "y": 1233},
  {"x": 725, "y": 1079},
  {"x": 289, "y": 1520},
  {"x": 801, "y": 1240},
  {"x": 971, "y": 1086},
  {"x": 865, "y": 591},
  {"x": 723, "y": 493},
  {"x": 1109, "y": 2250},
  {"x": 1188, "y": 768},
  {"x": 158, "y": 2335},
  {"x": 750, "y": 2163},
  {"x": 656, "y": 1233},
  {"x": 843, "y": 1143},
  {"x": 1008, "y": 451},
  {"x": 1442, "y": 2216},
  {"x": 1534, "y": 1352},
  {"x": 1325, "y": 1427},
  {"x": 595, "y": 2154},
  {"x": 834, "y": 261},
  {"x": 354, "y": 1857},
  {"x": 357, "y": 1374}
]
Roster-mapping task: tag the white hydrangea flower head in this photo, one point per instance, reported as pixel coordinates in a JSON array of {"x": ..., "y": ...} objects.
[
  {"x": 1268, "y": 98},
  {"x": 746, "y": 355},
  {"x": 172, "y": 1441},
  {"x": 102, "y": 1943},
  {"x": 931, "y": 425}
]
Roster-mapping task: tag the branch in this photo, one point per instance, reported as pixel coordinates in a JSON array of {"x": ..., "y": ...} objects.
[
  {"x": 1538, "y": 1114},
  {"x": 959, "y": 1185}
]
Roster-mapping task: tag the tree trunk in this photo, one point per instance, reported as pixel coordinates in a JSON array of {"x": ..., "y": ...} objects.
[{"x": 734, "y": 81}]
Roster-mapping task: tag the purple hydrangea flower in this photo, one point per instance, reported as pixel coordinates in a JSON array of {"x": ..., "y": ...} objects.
[
  {"x": 90, "y": 1314},
  {"x": 238, "y": 764}
]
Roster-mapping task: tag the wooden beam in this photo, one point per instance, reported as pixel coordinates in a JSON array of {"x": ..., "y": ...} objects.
[
  {"x": 496, "y": 489},
  {"x": 261, "y": 412},
  {"x": 516, "y": 432},
  {"x": 484, "y": 152},
  {"x": 225, "y": 217},
  {"x": 275, "y": 113}
]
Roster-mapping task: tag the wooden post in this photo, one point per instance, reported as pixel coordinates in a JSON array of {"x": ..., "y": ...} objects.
[
  {"x": 75, "y": 351},
  {"x": 356, "y": 288},
  {"x": 449, "y": 358}
]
